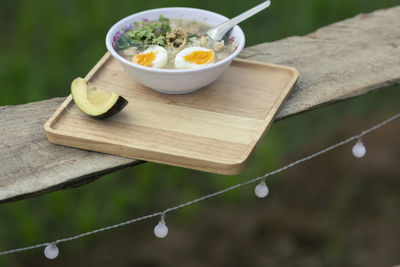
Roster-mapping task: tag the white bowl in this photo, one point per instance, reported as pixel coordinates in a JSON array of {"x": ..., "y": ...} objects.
[{"x": 173, "y": 81}]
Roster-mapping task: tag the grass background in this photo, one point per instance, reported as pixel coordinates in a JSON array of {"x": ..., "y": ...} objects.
[{"x": 46, "y": 44}]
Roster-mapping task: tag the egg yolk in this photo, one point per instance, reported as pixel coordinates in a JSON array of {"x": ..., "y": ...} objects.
[
  {"x": 144, "y": 59},
  {"x": 200, "y": 57}
]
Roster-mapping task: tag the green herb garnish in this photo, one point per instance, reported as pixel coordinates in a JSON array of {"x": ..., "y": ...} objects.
[
  {"x": 192, "y": 35},
  {"x": 149, "y": 33}
]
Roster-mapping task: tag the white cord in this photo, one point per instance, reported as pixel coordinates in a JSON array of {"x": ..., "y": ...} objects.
[{"x": 162, "y": 213}]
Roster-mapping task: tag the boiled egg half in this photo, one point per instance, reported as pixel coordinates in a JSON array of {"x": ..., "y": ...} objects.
[
  {"x": 154, "y": 56},
  {"x": 194, "y": 57}
]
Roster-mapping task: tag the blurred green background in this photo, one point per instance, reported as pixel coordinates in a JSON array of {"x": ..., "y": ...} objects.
[{"x": 45, "y": 44}]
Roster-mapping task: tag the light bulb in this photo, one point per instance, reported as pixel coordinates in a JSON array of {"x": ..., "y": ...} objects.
[
  {"x": 359, "y": 150},
  {"x": 51, "y": 251},
  {"x": 261, "y": 190},
  {"x": 161, "y": 230}
]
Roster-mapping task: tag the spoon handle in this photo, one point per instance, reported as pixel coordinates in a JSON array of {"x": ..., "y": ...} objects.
[{"x": 217, "y": 33}]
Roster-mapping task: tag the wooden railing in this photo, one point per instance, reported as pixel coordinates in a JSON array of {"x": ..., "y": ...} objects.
[{"x": 340, "y": 61}]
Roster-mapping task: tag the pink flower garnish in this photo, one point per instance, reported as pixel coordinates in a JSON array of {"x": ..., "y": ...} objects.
[{"x": 232, "y": 39}]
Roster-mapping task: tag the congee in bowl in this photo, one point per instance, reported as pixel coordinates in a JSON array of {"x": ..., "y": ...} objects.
[
  {"x": 172, "y": 44},
  {"x": 165, "y": 48}
]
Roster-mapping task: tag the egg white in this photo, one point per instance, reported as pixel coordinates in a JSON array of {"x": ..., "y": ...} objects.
[
  {"x": 161, "y": 56},
  {"x": 182, "y": 63}
]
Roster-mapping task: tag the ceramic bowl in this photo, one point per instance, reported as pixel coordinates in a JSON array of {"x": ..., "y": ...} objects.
[{"x": 173, "y": 81}]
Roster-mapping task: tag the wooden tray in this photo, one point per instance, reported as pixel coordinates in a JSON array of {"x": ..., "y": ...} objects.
[{"x": 214, "y": 129}]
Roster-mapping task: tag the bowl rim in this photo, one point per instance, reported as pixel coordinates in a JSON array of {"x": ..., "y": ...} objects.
[{"x": 110, "y": 48}]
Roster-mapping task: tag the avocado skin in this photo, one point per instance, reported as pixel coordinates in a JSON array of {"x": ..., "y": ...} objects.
[{"x": 117, "y": 107}]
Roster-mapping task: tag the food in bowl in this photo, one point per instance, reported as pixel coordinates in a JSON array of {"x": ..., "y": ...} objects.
[
  {"x": 194, "y": 57},
  {"x": 165, "y": 80},
  {"x": 155, "y": 56},
  {"x": 172, "y": 44}
]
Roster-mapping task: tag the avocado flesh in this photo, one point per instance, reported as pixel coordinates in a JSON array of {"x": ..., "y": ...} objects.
[{"x": 94, "y": 101}]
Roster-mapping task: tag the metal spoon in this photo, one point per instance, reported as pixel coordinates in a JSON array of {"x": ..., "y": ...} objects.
[{"x": 218, "y": 32}]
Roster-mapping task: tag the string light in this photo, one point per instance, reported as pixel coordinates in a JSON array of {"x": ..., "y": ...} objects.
[
  {"x": 261, "y": 190},
  {"x": 51, "y": 251},
  {"x": 359, "y": 149},
  {"x": 161, "y": 230}
]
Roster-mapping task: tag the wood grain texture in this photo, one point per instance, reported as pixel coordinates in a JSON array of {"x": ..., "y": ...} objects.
[
  {"x": 214, "y": 129},
  {"x": 342, "y": 60},
  {"x": 339, "y": 61},
  {"x": 30, "y": 165}
]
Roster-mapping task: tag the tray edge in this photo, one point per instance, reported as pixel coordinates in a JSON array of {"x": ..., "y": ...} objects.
[
  {"x": 48, "y": 126},
  {"x": 285, "y": 93}
]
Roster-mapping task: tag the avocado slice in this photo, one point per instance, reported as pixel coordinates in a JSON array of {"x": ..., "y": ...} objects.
[{"x": 94, "y": 101}]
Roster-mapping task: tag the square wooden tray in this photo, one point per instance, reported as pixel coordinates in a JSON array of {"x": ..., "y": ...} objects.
[{"x": 214, "y": 129}]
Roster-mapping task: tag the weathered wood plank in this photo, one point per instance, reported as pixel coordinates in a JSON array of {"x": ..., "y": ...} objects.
[
  {"x": 30, "y": 165},
  {"x": 343, "y": 60},
  {"x": 336, "y": 62}
]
